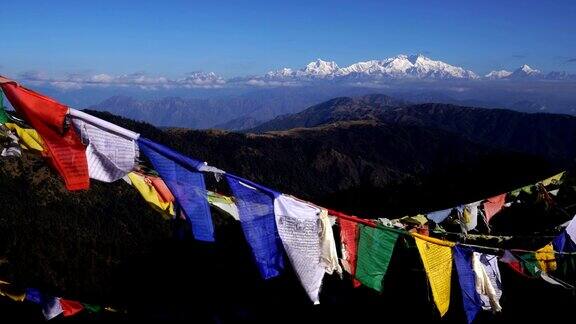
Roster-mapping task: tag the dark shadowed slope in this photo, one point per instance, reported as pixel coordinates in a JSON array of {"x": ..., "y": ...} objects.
[
  {"x": 549, "y": 135},
  {"x": 239, "y": 124},
  {"x": 344, "y": 157}
]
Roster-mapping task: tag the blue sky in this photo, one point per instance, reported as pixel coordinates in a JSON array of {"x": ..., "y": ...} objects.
[{"x": 237, "y": 38}]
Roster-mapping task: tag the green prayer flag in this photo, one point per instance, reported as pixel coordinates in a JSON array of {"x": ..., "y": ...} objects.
[
  {"x": 3, "y": 114},
  {"x": 92, "y": 308},
  {"x": 375, "y": 247},
  {"x": 530, "y": 263}
]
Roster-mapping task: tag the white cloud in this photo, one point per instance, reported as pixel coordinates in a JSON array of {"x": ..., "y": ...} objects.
[
  {"x": 271, "y": 83},
  {"x": 141, "y": 80}
]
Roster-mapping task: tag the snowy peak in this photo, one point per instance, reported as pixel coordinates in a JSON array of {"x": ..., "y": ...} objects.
[
  {"x": 320, "y": 68},
  {"x": 525, "y": 72},
  {"x": 528, "y": 70},
  {"x": 404, "y": 66},
  {"x": 284, "y": 72},
  {"x": 501, "y": 74},
  {"x": 315, "y": 69}
]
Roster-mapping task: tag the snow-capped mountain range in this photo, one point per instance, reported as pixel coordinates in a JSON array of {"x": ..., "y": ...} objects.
[
  {"x": 523, "y": 72},
  {"x": 398, "y": 67}
]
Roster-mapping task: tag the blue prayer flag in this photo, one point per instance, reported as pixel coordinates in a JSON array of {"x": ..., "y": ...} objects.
[
  {"x": 256, "y": 210},
  {"x": 439, "y": 216},
  {"x": 471, "y": 299},
  {"x": 563, "y": 243},
  {"x": 180, "y": 173},
  {"x": 33, "y": 295}
]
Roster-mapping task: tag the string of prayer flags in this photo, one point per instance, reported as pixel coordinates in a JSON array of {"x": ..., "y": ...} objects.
[
  {"x": 111, "y": 152},
  {"x": 51, "y": 306},
  {"x": 186, "y": 184},
  {"x": 542, "y": 260},
  {"x": 436, "y": 257},
  {"x": 468, "y": 214},
  {"x": 467, "y": 279},
  {"x": 375, "y": 248},
  {"x": 256, "y": 209},
  {"x": 48, "y": 117},
  {"x": 538, "y": 264},
  {"x": 298, "y": 227},
  {"x": 493, "y": 205}
]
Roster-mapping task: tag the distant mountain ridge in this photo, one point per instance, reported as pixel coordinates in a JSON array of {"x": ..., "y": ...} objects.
[
  {"x": 501, "y": 128},
  {"x": 217, "y": 112},
  {"x": 338, "y": 109},
  {"x": 526, "y": 72}
]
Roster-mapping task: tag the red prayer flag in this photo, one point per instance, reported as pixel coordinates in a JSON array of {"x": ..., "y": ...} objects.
[
  {"x": 494, "y": 205},
  {"x": 513, "y": 262},
  {"x": 47, "y": 116},
  {"x": 70, "y": 307},
  {"x": 349, "y": 238},
  {"x": 163, "y": 191}
]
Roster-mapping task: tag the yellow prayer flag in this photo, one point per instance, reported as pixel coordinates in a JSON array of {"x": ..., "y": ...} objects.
[
  {"x": 433, "y": 240},
  {"x": 7, "y": 290},
  {"x": 552, "y": 179},
  {"x": 546, "y": 259},
  {"x": 150, "y": 194},
  {"x": 29, "y": 138},
  {"x": 437, "y": 260}
]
